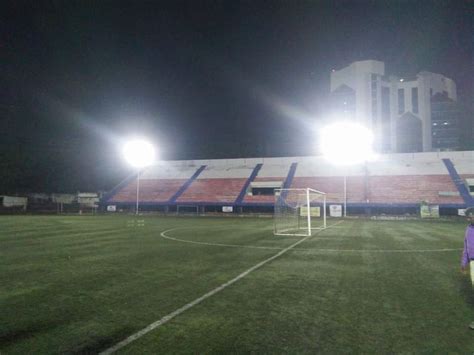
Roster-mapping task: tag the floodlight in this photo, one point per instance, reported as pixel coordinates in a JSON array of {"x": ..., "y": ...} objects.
[
  {"x": 346, "y": 143},
  {"x": 139, "y": 153}
]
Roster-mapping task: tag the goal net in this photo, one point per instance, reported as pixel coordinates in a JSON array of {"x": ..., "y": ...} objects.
[{"x": 299, "y": 211}]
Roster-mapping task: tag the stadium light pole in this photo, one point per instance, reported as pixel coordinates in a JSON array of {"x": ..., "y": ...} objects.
[
  {"x": 139, "y": 154},
  {"x": 346, "y": 143}
]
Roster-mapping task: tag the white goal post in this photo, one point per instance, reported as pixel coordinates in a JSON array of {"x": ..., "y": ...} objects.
[{"x": 299, "y": 211}]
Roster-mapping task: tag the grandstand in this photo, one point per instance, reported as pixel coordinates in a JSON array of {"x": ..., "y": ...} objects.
[{"x": 393, "y": 183}]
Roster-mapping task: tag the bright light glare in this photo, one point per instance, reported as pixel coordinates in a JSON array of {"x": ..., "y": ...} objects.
[
  {"x": 139, "y": 153},
  {"x": 347, "y": 143}
]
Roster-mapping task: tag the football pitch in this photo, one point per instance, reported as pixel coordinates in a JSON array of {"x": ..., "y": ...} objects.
[{"x": 82, "y": 284}]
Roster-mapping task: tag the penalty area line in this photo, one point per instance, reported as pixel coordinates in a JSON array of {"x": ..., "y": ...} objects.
[
  {"x": 308, "y": 250},
  {"x": 191, "y": 304}
]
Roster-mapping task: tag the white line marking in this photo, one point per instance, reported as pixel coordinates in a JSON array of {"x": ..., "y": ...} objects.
[
  {"x": 379, "y": 250},
  {"x": 163, "y": 235},
  {"x": 177, "y": 312}
]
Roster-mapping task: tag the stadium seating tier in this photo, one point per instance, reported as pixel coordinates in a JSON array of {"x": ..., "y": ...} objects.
[
  {"x": 213, "y": 190},
  {"x": 150, "y": 190},
  {"x": 396, "y": 179}
]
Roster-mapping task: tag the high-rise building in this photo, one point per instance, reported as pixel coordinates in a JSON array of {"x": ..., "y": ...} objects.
[{"x": 406, "y": 114}]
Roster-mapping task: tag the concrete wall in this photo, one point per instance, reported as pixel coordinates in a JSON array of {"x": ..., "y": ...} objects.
[
  {"x": 169, "y": 170},
  {"x": 274, "y": 169},
  {"x": 429, "y": 163},
  {"x": 229, "y": 171}
]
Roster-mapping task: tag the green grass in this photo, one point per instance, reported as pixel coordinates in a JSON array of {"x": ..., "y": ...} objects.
[{"x": 80, "y": 284}]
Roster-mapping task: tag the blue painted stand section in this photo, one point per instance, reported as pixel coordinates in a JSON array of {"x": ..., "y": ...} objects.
[
  {"x": 251, "y": 178},
  {"x": 289, "y": 178},
  {"x": 117, "y": 188},
  {"x": 186, "y": 184},
  {"x": 461, "y": 186}
]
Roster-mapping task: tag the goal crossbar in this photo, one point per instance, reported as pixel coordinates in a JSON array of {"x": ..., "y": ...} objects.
[{"x": 297, "y": 189}]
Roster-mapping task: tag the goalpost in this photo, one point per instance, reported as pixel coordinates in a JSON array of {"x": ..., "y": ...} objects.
[{"x": 299, "y": 211}]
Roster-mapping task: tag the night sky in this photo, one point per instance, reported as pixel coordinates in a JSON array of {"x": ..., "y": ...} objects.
[{"x": 202, "y": 79}]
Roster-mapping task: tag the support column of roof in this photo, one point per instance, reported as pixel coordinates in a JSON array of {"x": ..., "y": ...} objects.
[
  {"x": 186, "y": 184},
  {"x": 251, "y": 178},
  {"x": 289, "y": 179},
  {"x": 108, "y": 196},
  {"x": 459, "y": 183},
  {"x": 290, "y": 176}
]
